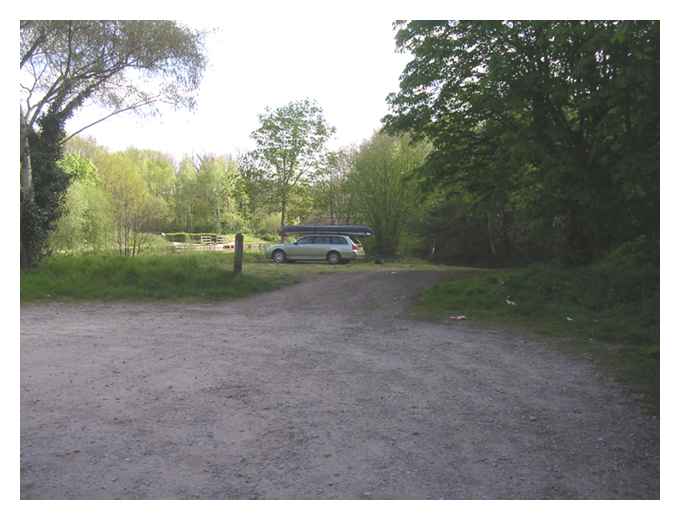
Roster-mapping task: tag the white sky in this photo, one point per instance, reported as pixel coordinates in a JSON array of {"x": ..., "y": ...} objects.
[{"x": 349, "y": 68}]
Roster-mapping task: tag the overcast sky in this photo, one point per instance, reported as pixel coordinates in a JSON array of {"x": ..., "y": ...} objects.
[{"x": 349, "y": 68}]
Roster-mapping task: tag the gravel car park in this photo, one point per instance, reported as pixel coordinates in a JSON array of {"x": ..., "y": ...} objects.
[{"x": 322, "y": 390}]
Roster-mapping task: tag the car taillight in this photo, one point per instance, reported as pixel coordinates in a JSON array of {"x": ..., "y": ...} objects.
[{"x": 354, "y": 247}]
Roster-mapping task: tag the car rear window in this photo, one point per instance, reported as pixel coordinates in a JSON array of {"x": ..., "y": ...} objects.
[
  {"x": 338, "y": 240},
  {"x": 321, "y": 240}
]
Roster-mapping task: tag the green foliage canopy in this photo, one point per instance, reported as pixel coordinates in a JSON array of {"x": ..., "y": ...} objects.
[
  {"x": 290, "y": 148},
  {"x": 383, "y": 187},
  {"x": 557, "y": 119}
]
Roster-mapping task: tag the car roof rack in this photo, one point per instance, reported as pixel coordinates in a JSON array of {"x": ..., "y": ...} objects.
[{"x": 330, "y": 229}]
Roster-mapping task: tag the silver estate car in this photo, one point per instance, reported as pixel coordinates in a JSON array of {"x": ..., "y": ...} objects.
[{"x": 334, "y": 249}]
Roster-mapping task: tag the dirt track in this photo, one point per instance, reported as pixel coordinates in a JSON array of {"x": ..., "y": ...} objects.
[{"x": 321, "y": 390}]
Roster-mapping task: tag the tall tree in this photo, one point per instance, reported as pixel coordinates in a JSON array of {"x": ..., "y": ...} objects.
[
  {"x": 332, "y": 199},
  {"x": 290, "y": 147},
  {"x": 185, "y": 194},
  {"x": 135, "y": 210},
  {"x": 158, "y": 171},
  {"x": 123, "y": 65},
  {"x": 214, "y": 192},
  {"x": 383, "y": 186},
  {"x": 86, "y": 222},
  {"x": 564, "y": 115}
]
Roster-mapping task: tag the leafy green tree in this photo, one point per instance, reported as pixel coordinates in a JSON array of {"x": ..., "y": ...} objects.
[
  {"x": 290, "y": 149},
  {"x": 331, "y": 197},
  {"x": 234, "y": 197},
  {"x": 78, "y": 167},
  {"x": 70, "y": 232},
  {"x": 124, "y": 65},
  {"x": 85, "y": 223},
  {"x": 382, "y": 182},
  {"x": 300, "y": 203},
  {"x": 185, "y": 195},
  {"x": 260, "y": 200},
  {"x": 120, "y": 198},
  {"x": 158, "y": 172},
  {"x": 85, "y": 147},
  {"x": 133, "y": 209},
  {"x": 556, "y": 122},
  {"x": 210, "y": 195}
]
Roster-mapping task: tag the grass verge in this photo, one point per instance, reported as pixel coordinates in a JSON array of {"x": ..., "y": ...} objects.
[
  {"x": 183, "y": 276},
  {"x": 604, "y": 313},
  {"x": 200, "y": 275}
]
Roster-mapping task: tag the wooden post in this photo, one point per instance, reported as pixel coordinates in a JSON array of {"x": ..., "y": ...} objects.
[{"x": 238, "y": 253}]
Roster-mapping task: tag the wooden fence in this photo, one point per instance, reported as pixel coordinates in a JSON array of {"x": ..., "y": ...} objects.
[{"x": 212, "y": 242}]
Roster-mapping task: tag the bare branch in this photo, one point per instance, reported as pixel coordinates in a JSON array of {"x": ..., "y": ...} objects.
[
  {"x": 115, "y": 112},
  {"x": 36, "y": 80},
  {"x": 51, "y": 94},
  {"x": 59, "y": 90},
  {"x": 69, "y": 56}
]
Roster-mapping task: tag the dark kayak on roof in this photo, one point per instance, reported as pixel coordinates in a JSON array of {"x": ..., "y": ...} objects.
[{"x": 335, "y": 229}]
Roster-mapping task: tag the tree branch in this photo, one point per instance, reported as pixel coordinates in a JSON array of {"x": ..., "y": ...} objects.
[
  {"x": 53, "y": 90},
  {"x": 29, "y": 53},
  {"x": 115, "y": 112}
]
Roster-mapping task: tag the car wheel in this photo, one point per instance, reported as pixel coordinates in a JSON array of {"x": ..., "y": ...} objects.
[
  {"x": 333, "y": 258},
  {"x": 279, "y": 256}
]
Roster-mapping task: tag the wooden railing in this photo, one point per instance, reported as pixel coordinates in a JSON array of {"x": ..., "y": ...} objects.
[{"x": 212, "y": 242}]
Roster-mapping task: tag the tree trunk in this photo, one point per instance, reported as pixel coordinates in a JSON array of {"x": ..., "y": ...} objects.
[
  {"x": 579, "y": 249},
  {"x": 25, "y": 184},
  {"x": 433, "y": 249},
  {"x": 284, "y": 205},
  {"x": 26, "y": 177},
  {"x": 332, "y": 207},
  {"x": 489, "y": 227},
  {"x": 506, "y": 223}
]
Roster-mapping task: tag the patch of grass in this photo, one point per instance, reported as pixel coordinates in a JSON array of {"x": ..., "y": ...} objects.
[
  {"x": 187, "y": 275},
  {"x": 197, "y": 275},
  {"x": 575, "y": 302},
  {"x": 608, "y": 312}
]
